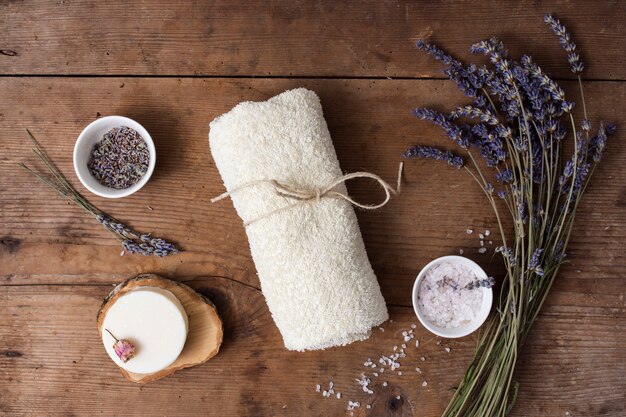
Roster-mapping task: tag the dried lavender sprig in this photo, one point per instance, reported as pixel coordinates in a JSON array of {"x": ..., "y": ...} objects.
[
  {"x": 430, "y": 152},
  {"x": 453, "y": 131},
  {"x": 126, "y": 235},
  {"x": 481, "y": 283},
  {"x": 472, "y": 112},
  {"x": 565, "y": 39}
]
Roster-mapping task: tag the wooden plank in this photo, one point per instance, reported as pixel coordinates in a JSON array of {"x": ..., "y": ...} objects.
[
  {"x": 294, "y": 38},
  {"x": 370, "y": 125},
  {"x": 52, "y": 362}
]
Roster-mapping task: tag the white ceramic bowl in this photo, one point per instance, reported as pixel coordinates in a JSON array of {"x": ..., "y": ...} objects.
[
  {"x": 480, "y": 317},
  {"x": 91, "y": 135}
]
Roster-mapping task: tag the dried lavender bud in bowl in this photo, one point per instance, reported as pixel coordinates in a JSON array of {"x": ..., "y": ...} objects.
[
  {"x": 120, "y": 159},
  {"x": 114, "y": 156}
]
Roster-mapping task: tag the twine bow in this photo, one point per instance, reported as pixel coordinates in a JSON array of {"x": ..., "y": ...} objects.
[{"x": 304, "y": 195}]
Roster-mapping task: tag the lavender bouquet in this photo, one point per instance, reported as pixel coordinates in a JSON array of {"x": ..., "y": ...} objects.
[{"x": 519, "y": 123}]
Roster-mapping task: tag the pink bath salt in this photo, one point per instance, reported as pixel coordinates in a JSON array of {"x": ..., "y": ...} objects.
[{"x": 444, "y": 298}]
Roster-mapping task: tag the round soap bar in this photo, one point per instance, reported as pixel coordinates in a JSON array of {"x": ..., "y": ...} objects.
[{"x": 154, "y": 321}]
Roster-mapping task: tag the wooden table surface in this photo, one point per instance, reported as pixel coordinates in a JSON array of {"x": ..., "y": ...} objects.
[{"x": 174, "y": 66}]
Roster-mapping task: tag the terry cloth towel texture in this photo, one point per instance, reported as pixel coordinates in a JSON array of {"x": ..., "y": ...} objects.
[{"x": 311, "y": 260}]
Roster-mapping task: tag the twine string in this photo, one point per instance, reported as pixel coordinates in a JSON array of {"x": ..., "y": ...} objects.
[{"x": 304, "y": 195}]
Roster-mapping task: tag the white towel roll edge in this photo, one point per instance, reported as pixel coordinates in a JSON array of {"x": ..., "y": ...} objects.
[{"x": 311, "y": 260}]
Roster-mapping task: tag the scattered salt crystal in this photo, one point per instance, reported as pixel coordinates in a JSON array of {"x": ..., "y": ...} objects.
[
  {"x": 424, "y": 383},
  {"x": 491, "y": 242},
  {"x": 418, "y": 370},
  {"x": 385, "y": 384},
  {"x": 417, "y": 343},
  {"x": 382, "y": 370},
  {"x": 390, "y": 321},
  {"x": 353, "y": 404},
  {"x": 381, "y": 329},
  {"x": 469, "y": 231},
  {"x": 338, "y": 395},
  {"x": 442, "y": 296},
  {"x": 399, "y": 373},
  {"x": 567, "y": 413},
  {"x": 439, "y": 342},
  {"x": 403, "y": 346},
  {"x": 460, "y": 251},
  {"x": 482, "y": 243},
  {"x": 398, "y": 397},
  {"x": 423, "y": 359},
  {"x": 447, "y": 349},
  {"x": 368, "y": 406},
  {"x": 375, "y": 373},
  {"x": 487, "y": 232},
  {"x": 318, "y": 387},
  {"x": 325, "y": 393},
  {"x": 395, "y": 348},
  {"x": 482, "y": 250},
  {"x": 364, "y": 382},
  {"x": 413, "y": 326},
  {"x": 481, "y": 236}
]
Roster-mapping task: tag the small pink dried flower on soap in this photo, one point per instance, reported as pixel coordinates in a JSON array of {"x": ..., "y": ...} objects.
[{"x": 124, "y": 349}]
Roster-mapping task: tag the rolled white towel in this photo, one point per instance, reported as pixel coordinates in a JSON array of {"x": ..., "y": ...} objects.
[{"x": 311, "y": 260}]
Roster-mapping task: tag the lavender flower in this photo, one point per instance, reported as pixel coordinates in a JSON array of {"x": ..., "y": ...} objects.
[
  {"x": 436, "y": 52},
  {"x": 469, "y": 80},
  {"x": 475, "y": 113},
  {"x": 585, "y": 125},
  {"x": 429, "y": 152},
  {"x": 566, "y": 42},
  {"x": 508, "y": 254},
  {"x": 116, "y": 227},
  {"x": 453, "y": 131},
  {"x": 533, "y": 265},
  {"x": 505, "y": 176},
  {"x": 493, "y": 152},
  {"x": 481, "y": 283},
  {"x": 133, "y": 242},
  {"x": 598, "y": 142}
]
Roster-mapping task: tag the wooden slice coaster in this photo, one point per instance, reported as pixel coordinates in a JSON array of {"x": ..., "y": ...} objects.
[{"x": 205, "y": 326}]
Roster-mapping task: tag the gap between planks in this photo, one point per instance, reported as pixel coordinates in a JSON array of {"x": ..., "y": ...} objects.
[{"x": 268, "y": 77}]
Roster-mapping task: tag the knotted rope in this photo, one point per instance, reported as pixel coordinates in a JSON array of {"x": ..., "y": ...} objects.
[{"x": 304, "y": 195}]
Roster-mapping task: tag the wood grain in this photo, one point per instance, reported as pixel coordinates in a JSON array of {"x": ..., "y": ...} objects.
[
  {"x": 205, "y": 326},
  {"x": 370, "y": 124},
  {"x": 51, "y": 356},
  {"x": 56, "y": 264},
  {"x": 56, "y": 361},
  {"x": 294, "y": 38}
]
